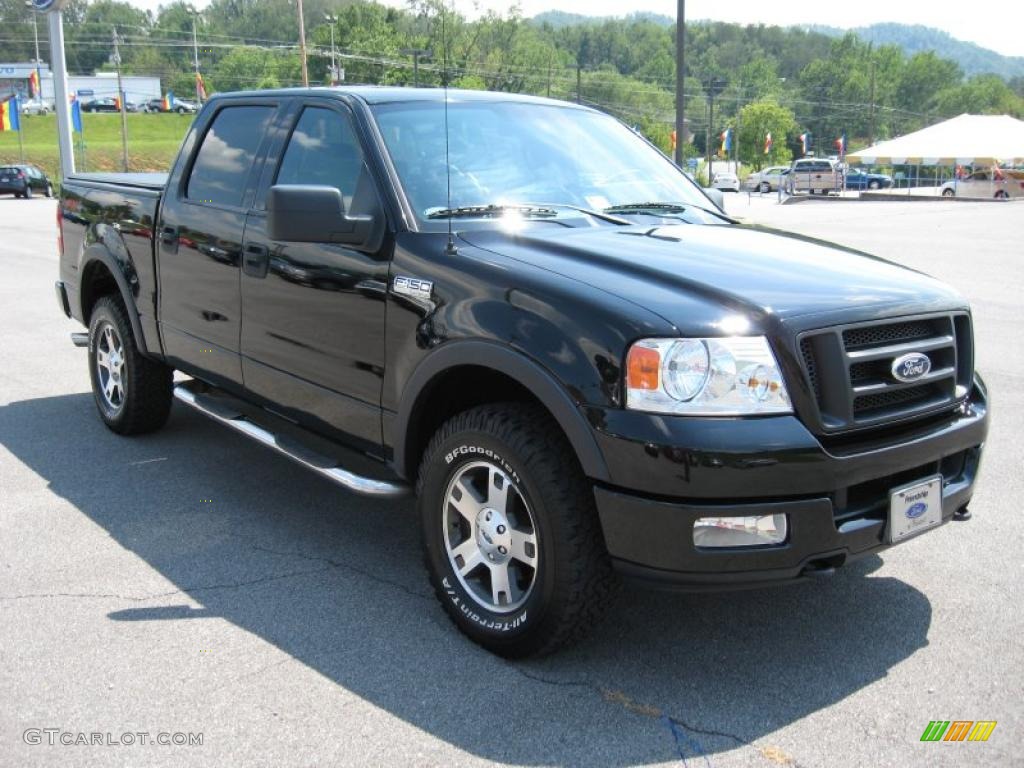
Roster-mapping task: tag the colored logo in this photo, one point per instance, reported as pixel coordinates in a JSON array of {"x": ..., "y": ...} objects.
[
  {"x": 958, "y": 730},
  {"x": 917, "y": 510},
  {"x": 911, "y": 367}
]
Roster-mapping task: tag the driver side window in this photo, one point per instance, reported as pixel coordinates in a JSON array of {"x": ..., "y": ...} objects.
[{"x": 322, "y": 150}]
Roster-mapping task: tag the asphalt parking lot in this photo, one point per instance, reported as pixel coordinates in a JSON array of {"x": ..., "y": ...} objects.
[{"x": 192, "y": 582}]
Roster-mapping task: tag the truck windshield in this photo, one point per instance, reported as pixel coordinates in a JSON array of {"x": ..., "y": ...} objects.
[{"x": 505, "y": 153}]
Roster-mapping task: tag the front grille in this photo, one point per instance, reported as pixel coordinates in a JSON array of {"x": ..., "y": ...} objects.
[
  {"x": 892, "y": 333},
  {"x": 850, "y": 370}
]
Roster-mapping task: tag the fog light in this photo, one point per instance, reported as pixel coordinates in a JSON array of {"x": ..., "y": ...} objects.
[{"x": 760, "y": 531}]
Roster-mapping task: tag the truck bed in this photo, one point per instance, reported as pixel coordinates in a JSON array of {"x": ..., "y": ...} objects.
[{"x": 151, "y": 181}]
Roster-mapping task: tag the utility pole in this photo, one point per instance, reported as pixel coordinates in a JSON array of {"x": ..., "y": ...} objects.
[
  {"x": 195, "y": 62},
  {"x": 416, "y": 53},
  {"x": 871, "y": 130},
  {"x": 550, "y": 55},
  {"x": 332, "y": 20},
  {"x": 711, "y": 122},
  {"x": 680, "y": 78},
  {"x": 121, "y": 100},
  {"x": 61, "y": 102},
  {"x": 579, "y": 83},
  {"x": 35, "y": 34},
  {"x": 302, "y": 45}
]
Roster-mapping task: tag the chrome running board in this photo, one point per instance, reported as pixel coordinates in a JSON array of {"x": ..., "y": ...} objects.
[{"x": 190, "y": 393}]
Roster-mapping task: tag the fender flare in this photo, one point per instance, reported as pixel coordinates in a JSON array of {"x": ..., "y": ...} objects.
[
  {"x": 518, "y": 367},
  {"x": 99, "y": 253}
]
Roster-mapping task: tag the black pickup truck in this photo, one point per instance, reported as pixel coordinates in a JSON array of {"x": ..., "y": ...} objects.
[{"x": 524, "y": 311}]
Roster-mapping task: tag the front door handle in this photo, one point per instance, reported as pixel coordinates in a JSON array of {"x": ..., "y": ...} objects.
[{"x": 256, "y": 260}]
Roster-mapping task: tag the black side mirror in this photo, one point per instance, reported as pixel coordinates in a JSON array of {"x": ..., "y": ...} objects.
[{"x": 303, "y": 213}]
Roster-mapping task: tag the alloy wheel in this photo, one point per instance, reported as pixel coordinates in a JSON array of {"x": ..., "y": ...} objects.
[{"x": 490, "y": 537}]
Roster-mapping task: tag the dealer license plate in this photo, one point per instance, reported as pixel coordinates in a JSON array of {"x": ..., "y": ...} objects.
[{"x": 914, "y": 508}]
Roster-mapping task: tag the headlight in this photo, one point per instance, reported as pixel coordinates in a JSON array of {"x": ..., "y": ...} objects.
[{"x": 733, "y": 376}]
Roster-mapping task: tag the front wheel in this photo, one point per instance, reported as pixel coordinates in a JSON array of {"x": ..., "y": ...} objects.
[
  {"x": 874, "y": 185},
  {"x": 49, "y": 190},
  {"x": 1002, "y": 195},
  {"x": 133, "y": 393},
  {"x": 27, "y": 194},
  {"x": 948, "y": 193},
  {"x": 512, "y": 540}
]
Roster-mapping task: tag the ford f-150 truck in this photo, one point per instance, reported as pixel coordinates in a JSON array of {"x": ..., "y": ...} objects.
[{"x": 524, "y": 312}]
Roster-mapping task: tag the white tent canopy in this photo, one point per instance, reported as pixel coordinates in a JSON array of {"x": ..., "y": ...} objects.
[{"x": 963, "y": 140}]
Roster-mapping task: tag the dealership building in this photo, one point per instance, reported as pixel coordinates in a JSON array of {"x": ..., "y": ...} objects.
[{"x": 14, "y": 79}]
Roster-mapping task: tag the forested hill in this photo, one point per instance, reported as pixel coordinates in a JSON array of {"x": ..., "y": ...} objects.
[{"x": 973, "y": 59}]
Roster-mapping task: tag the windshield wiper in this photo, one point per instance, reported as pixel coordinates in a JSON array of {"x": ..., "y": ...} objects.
[
  {"x": 541, "y": 210},
  {"x": 491, "y": 210},
  {"x": 655, "y": 209}
]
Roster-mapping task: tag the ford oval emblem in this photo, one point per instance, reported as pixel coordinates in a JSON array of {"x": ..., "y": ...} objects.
[
  {"x": 914, "y": 511},
  {"x": 911, "y": 367}
]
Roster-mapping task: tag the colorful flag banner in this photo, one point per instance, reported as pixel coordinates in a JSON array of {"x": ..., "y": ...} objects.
[
  {"x": 33, "y": 84},
  {"x": 805, "y": 142},
  {"x": 726, "y": 138},
  {"x": 168, "y": 101},
  {"x": 76, "y": 115},
  {"x": 768, "y": 143},
  {"x": 200, "y": 87},
  {"x": 117, "y": 103},
  {"x": 9, "y": 118},
  {"x": 841, "y": 144}
]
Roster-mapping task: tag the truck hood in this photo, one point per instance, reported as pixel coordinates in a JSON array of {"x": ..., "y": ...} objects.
[{"x": 682, "y": 271}]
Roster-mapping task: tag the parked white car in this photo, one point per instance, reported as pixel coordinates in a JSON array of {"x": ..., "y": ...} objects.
[
  {"x": 768, "y": 179},
  {"x": 726, "y": 181},
  {"x": 35, "y": 107},
  {"x": 982, "y": 184}
]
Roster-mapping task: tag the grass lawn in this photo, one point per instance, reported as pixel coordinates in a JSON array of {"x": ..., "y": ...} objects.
[{"x": 153, "y": 141}]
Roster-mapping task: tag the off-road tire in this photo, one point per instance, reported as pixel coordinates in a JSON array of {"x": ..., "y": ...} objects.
[
  {"x": 147, "y": 384},
  {"x": 574, "y": 582}
]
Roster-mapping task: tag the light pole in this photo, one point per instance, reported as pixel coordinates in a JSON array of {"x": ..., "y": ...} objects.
[
  {"x": 680, "y": 95},
  {"x": 332, "y": 20},
  {"x": 35, "y": 34},
  {"x": 302, "y": 43},
  {"x": 116, "y": 58}
]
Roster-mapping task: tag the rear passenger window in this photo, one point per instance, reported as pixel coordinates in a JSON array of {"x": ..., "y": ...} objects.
[
  {"x": 226, "y": 155},
  {"x": 322, "y": 150}
]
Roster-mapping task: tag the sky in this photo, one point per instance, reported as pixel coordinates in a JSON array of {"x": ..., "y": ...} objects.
[{"x": 994, "y": 24}]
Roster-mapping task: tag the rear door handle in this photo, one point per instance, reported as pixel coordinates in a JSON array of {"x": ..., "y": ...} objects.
[
  {"x": 169, "y": 237},
  {"x": 256, "y": 260}
]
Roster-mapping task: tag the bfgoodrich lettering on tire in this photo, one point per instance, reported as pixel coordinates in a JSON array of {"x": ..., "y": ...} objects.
[{"x": 513, "y": 544}]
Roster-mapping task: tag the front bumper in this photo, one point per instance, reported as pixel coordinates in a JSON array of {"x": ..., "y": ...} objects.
[{"x": 836, "y": 497}]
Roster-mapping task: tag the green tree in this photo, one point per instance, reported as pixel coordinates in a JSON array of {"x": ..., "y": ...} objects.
[{"x": 756, "y": 121}]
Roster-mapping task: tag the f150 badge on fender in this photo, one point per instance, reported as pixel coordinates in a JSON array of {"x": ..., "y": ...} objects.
[{"x": 414, "y": 287}]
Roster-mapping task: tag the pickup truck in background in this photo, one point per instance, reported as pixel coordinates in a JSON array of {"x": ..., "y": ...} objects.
[
  {"x": 815, "y": 175},
  {"x": 523, "y": 311}
]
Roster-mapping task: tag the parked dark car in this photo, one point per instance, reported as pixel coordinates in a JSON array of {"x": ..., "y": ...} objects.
[
  {"x": 857, "y": 179},
  {"x": 105, "y": 104},
  {"x": 24, "y": 181},
  {"x": 525, "y": 312}
]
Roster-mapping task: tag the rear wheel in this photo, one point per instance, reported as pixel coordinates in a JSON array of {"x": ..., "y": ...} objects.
[
  {"x": 1002, "y": 195},
  {"x": 513, "y": 544},
  {"x": 132, "y": 393},
  {"x": 765, "y": 187},
  {"x": 948, "y": 193},
  {"x": 27, "y": 194}
]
